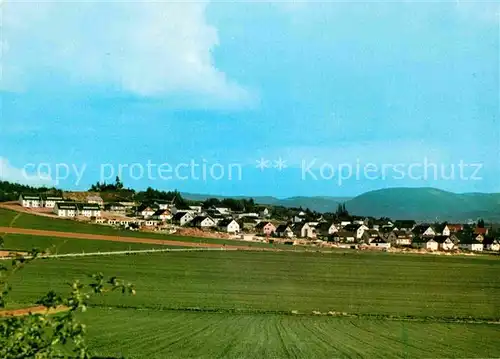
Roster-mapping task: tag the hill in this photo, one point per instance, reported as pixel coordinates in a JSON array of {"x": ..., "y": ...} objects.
[
  {"x": 319, "y": 203},
  {"x": 426, "y": 204}
]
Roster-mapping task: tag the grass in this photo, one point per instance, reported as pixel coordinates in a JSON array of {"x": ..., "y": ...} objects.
[
  {"x": 31, "y": 221},
  {"x": 153, "y": 334},
  {"x": 239, "y": 304},
  {"x": 364, "y": 283},
  {"x": 22, "y": 242}
]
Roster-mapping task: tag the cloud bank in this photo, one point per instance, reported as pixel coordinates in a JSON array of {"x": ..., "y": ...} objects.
[
  {"x": 18, "y": 175},
  {"x": 150, "y": 49}
]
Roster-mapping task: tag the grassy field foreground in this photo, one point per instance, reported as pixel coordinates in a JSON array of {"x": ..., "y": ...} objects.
[
  {"x": 153, "y": 334},
  {"x": 407, "y": 305}
]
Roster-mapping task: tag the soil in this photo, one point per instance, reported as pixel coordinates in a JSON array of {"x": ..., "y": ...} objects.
[{"x": 33, "y": 310}]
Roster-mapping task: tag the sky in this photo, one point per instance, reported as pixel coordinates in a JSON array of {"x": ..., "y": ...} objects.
[{"x": 252, "y": 98}]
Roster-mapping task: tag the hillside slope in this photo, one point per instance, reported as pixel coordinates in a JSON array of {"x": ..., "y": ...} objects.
[{"x": 426, "y": 204}]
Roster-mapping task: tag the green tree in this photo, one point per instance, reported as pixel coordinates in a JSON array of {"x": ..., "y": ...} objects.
[{"x": 45, "y": 335}]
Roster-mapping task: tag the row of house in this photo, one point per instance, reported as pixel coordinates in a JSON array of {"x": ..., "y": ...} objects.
[
  {"x": 39, "y": 201},
  {"x": 73, "y": 209}
]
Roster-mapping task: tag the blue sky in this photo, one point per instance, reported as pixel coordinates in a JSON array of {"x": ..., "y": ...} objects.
[{"x": 88, "y": 84}]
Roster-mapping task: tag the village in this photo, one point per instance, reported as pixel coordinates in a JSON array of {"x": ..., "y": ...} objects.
[{"x": 353, "y": 232}]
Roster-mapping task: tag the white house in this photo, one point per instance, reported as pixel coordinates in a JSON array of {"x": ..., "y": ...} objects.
[
  {"x": 182, "y": 218},
  {"x": 284, "y": 231},
  {"x": 471, "y": 245},
  {"x": 424, "y": 230},
  {"x": 305, "y": 230},
  {"x": 89, "y": 209},
  {"x": 50, "y": 201},
  {"x": 150, "y": 223},
  {"x": 203, "y": 222},
  {"x": 146, "y": 212},
  {"x": 359, "y": 229},
  {"x": 344, "y": 236},
  {"x": 491, "y": 244},
  {"x": 425, "y": 243},
  {"x": 162, "y": 215},
  {"x": 65, "y": 209},
  {"x": 30, "y": 201},
  {"x": 344, "y": 223},
  {"x": 248, "y": 215},
  {"x": 265, "y": 213},
  {"x": 445, "y": 243},
  {"x": 229, "y": 226},
  {"x": 379, "y": 242},
  {"x": 196, "y": 209},
  {"x": 326, "y": 229},
  {"x": 116, "y": 208}
]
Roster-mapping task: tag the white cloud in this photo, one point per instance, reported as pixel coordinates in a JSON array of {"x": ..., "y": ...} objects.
[
  {"x": 19, "y": 175},
  {"x": 152, "y": 49}
]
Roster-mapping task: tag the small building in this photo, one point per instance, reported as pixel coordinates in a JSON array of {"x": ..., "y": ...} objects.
[
  {"x": 88, "y": 209},
  {"x": 455, "y": 227},
  {"x": 151, "y": 223},
  {"x": 265, "y": 213},
  {"x": 445, "y": 243},
  {"x": 379, "y": 242},
  {"x": 442, "y": 230},
  {"x": 30, "y": 200},
  {"x": 424, "y": 230},
  {"x": 162, "y": 215},
  {"x": 229, "y": 226},
  {"x": 304, "y": 230},
  {"x": 50, "y": 201},
  {"x": 224, "y": 211},
  {"x": 284, "y": 231},
  {"x": 424, "y": 242},
  {"x": 344, "y": 237},
  {"x": 182, "y": 218},
  {"x": 196, "y": 209},
  {"x": 146, "y": 211},
  {"x": 94, "y": 199},
  {"x": 62, "y": 209},
  {"x": 265, "y": 228},
  {"x": 325, "y": 229},
  {"x": 203, "y": 222},
  {"x": 481, "y": 231},
  {"x": 491, "y": 244},
  {"x": 359, "y": 229}
]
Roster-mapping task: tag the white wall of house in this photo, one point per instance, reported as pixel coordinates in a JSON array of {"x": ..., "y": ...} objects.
[
  {"x": 233, "y": 227},
  {"x": 495, "y": 246},
  {"x": 188, "y": 217},
  {"x": 446, "y": 231},
  {"x": 381, "y": 245},
  {"x": 447, "y": 245},
  {"x": 429, "y": 232}
]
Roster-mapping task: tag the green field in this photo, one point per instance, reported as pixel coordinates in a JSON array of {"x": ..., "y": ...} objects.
[
  {"x": 152, "y": 334},
  {"x": 22, "y": 242},
  {"x": 239, "y": 304}
]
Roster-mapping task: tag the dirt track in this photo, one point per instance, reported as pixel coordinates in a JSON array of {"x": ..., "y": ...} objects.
[
  {"x": 34, "y": 310},
  {"x": 98, "y": 237}
]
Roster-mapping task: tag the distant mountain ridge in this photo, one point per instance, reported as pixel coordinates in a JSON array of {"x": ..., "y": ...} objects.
[
  {"x": 317, "y": 203},
  {"x": 426, "y": 204},
  {"x": 421, "y": 204}
]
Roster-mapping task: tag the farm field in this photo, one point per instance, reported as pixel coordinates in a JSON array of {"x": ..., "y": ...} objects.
[
  {"x": 238, "y": 304},
  {"x": 154, "y": 334},
  {"x": 55, "y": 245},
  {"x": 14, "y": 219},
  {"x": 363, "y": 283}
]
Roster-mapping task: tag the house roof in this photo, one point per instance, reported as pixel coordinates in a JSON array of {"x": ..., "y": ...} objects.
[
  {"x": 88, "y": 206},
  {"x": 324, "y": 226},
  {"x": 282, "y": 228},
  {"x": 52, "y": 198},
  {"x": 63, "y": 205},
  {"x": 199, "y": 219},
  {"x": 161, "y": 212},
  {"x": 179, "y": 215},
  {"x": 482, "y": 231},
  {"x": 420, "y": 239},
  {"x": 421, "y": 228},
  {"x": 31, "y": 197},
  {"x": 352, "y": 227},
  {"x": 441, "y": 239},
  {"x": 490, "y": 240},
  {"x": 226, "y": 222}
]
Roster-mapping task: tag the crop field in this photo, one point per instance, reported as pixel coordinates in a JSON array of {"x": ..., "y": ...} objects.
[
  {"x": 54, "y": 245},
  {"x": 153, "y": 334},
  {"x": 233, "y": 304}
]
